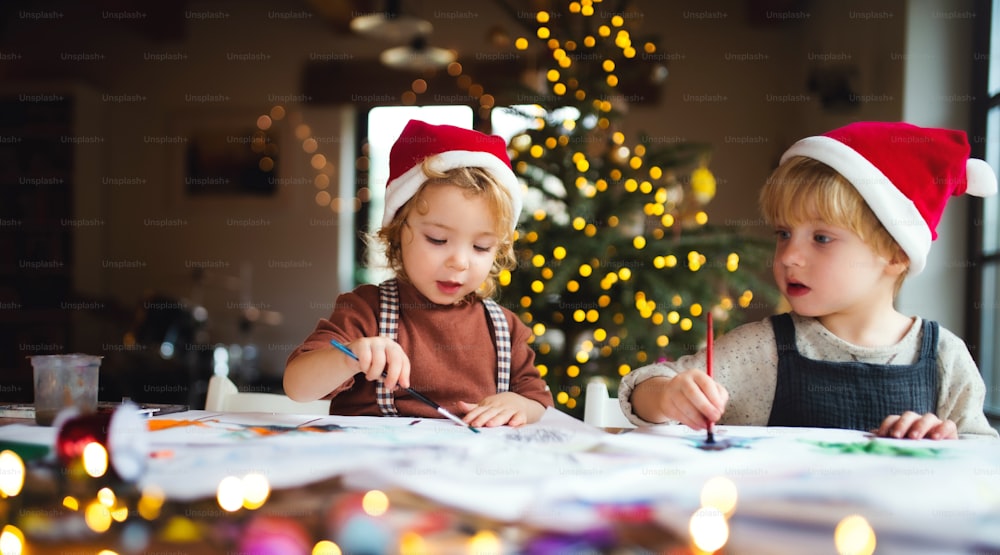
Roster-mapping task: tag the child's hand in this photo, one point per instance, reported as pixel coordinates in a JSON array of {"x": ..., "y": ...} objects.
[
  {"x": 691, "y": 398},
  {"x": 381, "y": 354},
  {"x": 502, "y": 409},
  {"x": 911, "y": 425}
]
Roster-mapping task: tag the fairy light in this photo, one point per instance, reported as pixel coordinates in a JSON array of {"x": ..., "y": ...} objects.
[
  {"x": 327, "y": 547},
  {"x": 151, "y": 502},
  {"x": 709, "y": 529},
  {"x": 119, "y": 513},
  {"x": 12, "y": 540},
  {"x": 97, "y": 517},
  {"x": 12, "y": 474},
  {"x": 106, "y": 497},
  {"x": 256, "y": 490},
  {"x": 229, "y": 494},
  {"x": 95, "y": 459},
  {"x": 853, "y": 535},
  {"x": 719, "y": 493},
  {"x": 732, "y": 262},
  {"x": 375, "y": 503}
]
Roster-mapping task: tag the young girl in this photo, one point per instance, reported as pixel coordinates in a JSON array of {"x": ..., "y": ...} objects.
[
  {"x": 855, "y": 211},
  {"x": 451, "y": 206}
]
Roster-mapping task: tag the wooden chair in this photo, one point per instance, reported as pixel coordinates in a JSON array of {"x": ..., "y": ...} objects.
[
  {"x": 223, "y": 396},
  {"x": 602, "y": 410}
]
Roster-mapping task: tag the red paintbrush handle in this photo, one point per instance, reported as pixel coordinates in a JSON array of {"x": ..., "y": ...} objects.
[{"x": 708, "y": 347}]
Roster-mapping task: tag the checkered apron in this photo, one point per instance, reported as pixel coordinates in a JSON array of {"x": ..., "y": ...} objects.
[{"x": 388, "y": 326}]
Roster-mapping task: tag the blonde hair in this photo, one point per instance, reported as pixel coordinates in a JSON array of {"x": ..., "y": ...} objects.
[
  {"x": 475, "y": 183},
  {"x": 802, "y": 188}
]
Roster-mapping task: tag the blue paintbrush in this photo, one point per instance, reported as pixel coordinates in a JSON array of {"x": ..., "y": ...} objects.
[{"x": 416, "y": 395}]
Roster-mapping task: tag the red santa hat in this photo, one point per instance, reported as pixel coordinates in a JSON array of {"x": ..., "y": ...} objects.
[
  {"x": 449, "y": 147},
  {"x": 905, "y": 173}
]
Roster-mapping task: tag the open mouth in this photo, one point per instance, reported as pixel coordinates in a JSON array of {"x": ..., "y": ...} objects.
[
  {"x": 448, "y": 287},
  {"x": 796, "y": 289}
]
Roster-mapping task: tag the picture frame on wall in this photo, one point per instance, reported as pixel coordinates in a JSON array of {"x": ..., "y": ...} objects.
[{"x": 226, "y": 154}]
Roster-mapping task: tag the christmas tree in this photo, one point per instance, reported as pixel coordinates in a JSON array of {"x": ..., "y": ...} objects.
[{"x": 618, "y": 261}]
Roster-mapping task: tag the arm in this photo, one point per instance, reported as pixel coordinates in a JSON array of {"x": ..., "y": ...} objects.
[
  {"x": 314, "y": 374},
  {"x": 962, "y": 391},
  {"x": 316, "y": 369},
  {"x": 961, "y": 394},
  {"x": 327, "y": 369},
  {"x": 745, "y": 368}
]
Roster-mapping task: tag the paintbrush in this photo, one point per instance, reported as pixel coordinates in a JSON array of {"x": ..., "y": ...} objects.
[
  {"x": 708, "y": 369},
  {"x": 416, "y": 395}
]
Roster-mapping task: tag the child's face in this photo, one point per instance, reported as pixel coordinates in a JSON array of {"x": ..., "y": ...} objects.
[
  {"x": 824, "y": 270},
  {"x": 448, "y": 251}
]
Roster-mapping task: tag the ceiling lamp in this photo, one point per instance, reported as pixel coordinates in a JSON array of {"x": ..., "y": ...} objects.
[
  {"x": 390, "y": 25},
  {"x": 417, "y": 56}
]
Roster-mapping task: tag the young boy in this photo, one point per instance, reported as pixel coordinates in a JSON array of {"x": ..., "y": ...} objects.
[
  {"x": 855, "y": 211},
  {"x": 451, "y": 205}
]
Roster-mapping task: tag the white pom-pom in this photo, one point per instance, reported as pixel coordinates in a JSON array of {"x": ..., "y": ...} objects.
[{"x": 981, "y": 181}]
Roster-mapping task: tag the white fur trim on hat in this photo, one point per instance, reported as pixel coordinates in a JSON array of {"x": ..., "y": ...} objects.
[
  {"x": 897, "y": 213},
  {"x": 402, "y": 189}
]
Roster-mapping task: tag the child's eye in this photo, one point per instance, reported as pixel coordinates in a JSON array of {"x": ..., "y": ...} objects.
[
  {"x": 820, "y": 238},
  {"x": 782, "y": 234},
  {"x": 482, "y": 249},
  {"x": 435, "y": 241}
]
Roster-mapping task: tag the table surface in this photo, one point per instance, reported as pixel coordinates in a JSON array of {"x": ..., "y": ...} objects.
[{"x": 537, "y": 488}]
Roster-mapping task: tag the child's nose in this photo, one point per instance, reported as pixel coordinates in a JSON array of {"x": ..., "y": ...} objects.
[
  {"x": 458, "y": 259},
  {"x": 790, "y": 254}
]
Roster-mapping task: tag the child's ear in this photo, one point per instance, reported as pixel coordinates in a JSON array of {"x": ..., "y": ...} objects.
[{"x": 899, "y": 263}]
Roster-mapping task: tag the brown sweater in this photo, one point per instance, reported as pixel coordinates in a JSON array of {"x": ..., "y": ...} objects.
[{"x": 451, "y": 350}]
